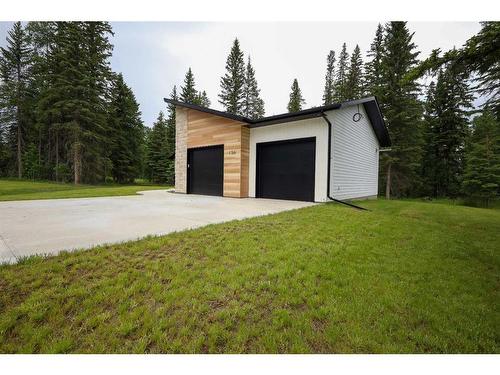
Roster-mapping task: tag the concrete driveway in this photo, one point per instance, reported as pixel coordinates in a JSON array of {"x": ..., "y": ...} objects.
[{"x": 49, "y": 226}]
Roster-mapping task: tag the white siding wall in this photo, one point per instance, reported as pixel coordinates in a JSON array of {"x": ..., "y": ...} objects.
[
  {"x": 315, "y": 127},
  {"x": 355, "y": 155}
]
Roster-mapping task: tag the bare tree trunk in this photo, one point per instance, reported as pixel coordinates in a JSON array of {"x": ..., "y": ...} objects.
[
  {"x": 77, "y": 163},
  {"x": 388, "y": 183}
]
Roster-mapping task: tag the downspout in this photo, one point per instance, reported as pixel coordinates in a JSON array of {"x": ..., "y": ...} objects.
[{"x": 329, "y": 124}]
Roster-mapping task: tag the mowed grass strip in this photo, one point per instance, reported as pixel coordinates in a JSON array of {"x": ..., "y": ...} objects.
[
  {"x": 26, "y": 190},
  {"x": 405, "y": 277}
]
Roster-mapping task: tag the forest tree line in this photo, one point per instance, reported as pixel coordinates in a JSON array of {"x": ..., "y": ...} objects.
[{"x": 65, "y": 116}]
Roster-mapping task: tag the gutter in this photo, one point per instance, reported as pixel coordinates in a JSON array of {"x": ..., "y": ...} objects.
[{"x": 329, "y": 124}]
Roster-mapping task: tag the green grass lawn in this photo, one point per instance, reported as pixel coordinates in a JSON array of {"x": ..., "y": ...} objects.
[
  {"x": 11, "y": 190},
  {"x": 405, "y": 277}
]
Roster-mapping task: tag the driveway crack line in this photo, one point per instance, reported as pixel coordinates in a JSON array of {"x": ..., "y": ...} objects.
[{"x": 8, "y": 247}]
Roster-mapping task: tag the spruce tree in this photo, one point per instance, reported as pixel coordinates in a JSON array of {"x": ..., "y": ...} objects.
[
  {"x": 171, "y": 123},
  {"x": 373, "y": 68},
  {"x": 481, "y": 55},
  {"x": 188, "y": 90},
  {"x": 233, "y": 81},
  {"x": 329, "y": 90},
  {"x": 296, "y": 100},
  {"x": 429, "y": 126},
  {"x": 74, "y": 101},
  {"x": 354, "y": 84},
  {"x": 127, "y": 128},
  {"x": 340, "y": 87},
  {"x": 400, "y": 167},
  {"x": 253, "y": 105},
  {"x": 98, "y": 50},
  {"x": 445, "y": 134},
  {"x": 203, "y": 99},
  {"x": 158, "y": 157},
  {"x": 170, "y": 138},
  {"x": 41, "y": 40},
  {"x": 15, "y": 64},
  {"x": 482, "y": 173}
]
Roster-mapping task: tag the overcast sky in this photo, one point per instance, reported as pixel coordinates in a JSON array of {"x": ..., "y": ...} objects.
[{"x": 154, "y": 56}]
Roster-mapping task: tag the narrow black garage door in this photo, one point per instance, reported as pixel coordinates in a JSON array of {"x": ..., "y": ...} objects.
[
  {"x": 285, "y": 169},
  {"x": 206, "y": 170}
]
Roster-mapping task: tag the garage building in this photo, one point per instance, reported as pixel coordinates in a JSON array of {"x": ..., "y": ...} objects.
[{"x": 312, "y": 155}]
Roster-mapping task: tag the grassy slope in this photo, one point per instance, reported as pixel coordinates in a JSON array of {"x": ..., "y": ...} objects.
[
  {"x": 405, "y": 277},
  {"x": 23, "y": 189}
]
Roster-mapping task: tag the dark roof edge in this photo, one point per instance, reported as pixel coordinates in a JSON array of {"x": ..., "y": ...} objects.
[
  {"x": 207, "y": 110},
  {"x": 370, "y": 104}
]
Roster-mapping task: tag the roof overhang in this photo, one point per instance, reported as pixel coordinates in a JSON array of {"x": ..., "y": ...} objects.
[{"x": 370, "y": 105}]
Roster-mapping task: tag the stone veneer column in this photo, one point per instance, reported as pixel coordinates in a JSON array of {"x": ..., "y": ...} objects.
[{"x": 180, "y": 150}]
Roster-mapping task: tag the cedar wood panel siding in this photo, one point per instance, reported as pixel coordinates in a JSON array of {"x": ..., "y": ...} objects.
[{"x": 204, "y": 129}]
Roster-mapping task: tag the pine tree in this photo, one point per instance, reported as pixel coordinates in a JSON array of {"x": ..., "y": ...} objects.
[
  {"x": 41, "y": 40},
  {"x": 127, "y": 128},
  {"x": 340, "y": 87},
  {"x": 74, "y": 102},
  {"x": 171, "y": 123},
  {"x": 170, "y": 138},
  {"x": 482, "y": 173},
  {"x": 231, "y": 96},
  {"x": 15, "y": 75},
  {"x": 253, "y": 105},
  {"x": 99, "y": 78},
  {"x": 188, "y": 90},
  {"x": 402, "y": 111},
  {"x": 329, "y": 91},
  {"x": 481, "y": 55},
  {"x": 158, "y": 157},
  {"x": 373, "y": 68},
  {"x": 203, "y": 99},
  {"x": 429, "y": 126},
  {"x": 354, "y": 85},
  {"x": 296, "y": 100},
  {"x": 446, "y": 121}
]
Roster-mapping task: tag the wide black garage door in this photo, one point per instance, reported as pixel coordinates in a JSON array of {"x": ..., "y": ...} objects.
[
  {"x": 285, "y": 169},
  {"x": 206, "y": 170}
]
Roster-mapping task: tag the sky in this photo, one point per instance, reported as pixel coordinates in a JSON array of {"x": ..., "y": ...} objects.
[{"x": 154, "y": 56}]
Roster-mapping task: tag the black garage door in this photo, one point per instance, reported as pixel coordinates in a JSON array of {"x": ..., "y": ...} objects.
[
  {"x": 285, "y": 169},
  {"x": 206, "y": 170}
]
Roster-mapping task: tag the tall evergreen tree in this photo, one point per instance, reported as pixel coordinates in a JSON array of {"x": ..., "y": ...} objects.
[
  {"x": 329, "y": 90},
  {"x": 402, "y": 111},
  {"x": 170, "y": 133},
  {"x": 374, "y": 79},
  {"x": 99, "y": 80},
  {"x": 41, "y": 40},
  {"x": 296, "y": 100},
  {"x": 233, "y": 81},
  {"x": 340, "y": 87},
  {"x": 446, "y": 128},
  {"x": 481, "y": 55},
  {"x": 74, "y": 102},
  {"x": 482, "y": 173},
  {"x": 158, "y": 157},
  {"x": 68, "y": 97},
  {"x": 126, "y": 124},
  {"x": 354, "y": 85},
  {"x": 253, "y": 105},
  {"x": 188, "y": 89},
  {"x": 15, "y": 64},
  {"x": 203, "y": 99}
]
